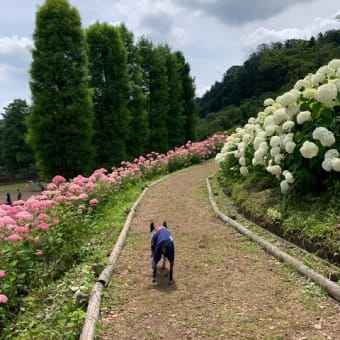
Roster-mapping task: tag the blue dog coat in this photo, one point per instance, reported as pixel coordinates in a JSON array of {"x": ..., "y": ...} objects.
[{"x": 161, "y": 236}]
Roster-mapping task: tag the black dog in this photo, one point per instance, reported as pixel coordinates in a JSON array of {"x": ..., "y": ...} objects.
[{"x": 161, "y": 245}]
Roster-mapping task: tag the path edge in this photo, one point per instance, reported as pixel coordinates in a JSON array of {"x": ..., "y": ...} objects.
[{"x": 331, "y": 287}]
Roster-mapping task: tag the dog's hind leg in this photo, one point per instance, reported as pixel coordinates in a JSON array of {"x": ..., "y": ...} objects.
[{"x": 164, "y": 261}]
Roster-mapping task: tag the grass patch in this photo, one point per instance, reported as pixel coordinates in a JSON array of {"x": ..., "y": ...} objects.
[{"x": 268, "y": 215}]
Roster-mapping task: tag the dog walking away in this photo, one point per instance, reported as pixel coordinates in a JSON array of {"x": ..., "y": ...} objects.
[{"x": 162, "y": 244}]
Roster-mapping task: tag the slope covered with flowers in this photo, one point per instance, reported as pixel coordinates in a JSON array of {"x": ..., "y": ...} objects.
[
  {"x": 44, "y": 236},
  {"x": 296, "y": 137}
]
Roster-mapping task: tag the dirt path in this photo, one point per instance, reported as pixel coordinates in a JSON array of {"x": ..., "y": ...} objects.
[{"x": 225, "y": 285}]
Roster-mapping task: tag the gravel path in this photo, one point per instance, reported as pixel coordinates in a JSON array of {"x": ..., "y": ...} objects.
[{"x": 225, "y": 285}]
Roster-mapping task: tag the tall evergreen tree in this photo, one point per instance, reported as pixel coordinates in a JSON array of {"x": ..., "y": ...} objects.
[
  {"x": 16, "y": 156},
  {"x": 175, "y": 118},
  {"x": 139, "y": 127},
  {"x": 60, "y": 125},
  {"x": 188, "y": 98},
  {"x": 110, "y": 81},
  {"x": 155, "y": 87}
]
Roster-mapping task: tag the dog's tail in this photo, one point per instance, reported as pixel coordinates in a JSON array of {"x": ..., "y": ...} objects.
[
  {"x": 152, "y": 227},
  {"x": 165, "y": 225}
]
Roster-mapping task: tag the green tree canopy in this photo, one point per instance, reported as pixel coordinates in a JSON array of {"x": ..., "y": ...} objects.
[
  {"x": 188, "y": 99},
  {"x": 16, "y": 156},
  {"x": 60, "y": 123},
  {"x": 111, "y": 84},
  {"x": 155, "y": 87},
  {"x": 139, "y": 127}
]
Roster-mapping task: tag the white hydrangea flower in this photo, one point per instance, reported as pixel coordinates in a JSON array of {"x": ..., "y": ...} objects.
[
  {"x": 264, "y": 146},
  {"x": 278, "y": 158},
  {"x": 247, "y": 138},
  {"x": 325, "y": 136},
  {"x": 279, "y": 116},
  {"x": 257, "y": 141},
  {"x": 241, "y": 146},
  {"x": 304, "y": 116},
  {"x": 288, "y": 176},
  {"x": 292, "y": 110},
  {"x": 274, "y": 151},
  {"x": 326, "y": 94},
  {"x": 270, "y": 129},
  {"x": 289, "y": 97},
  {"x": 336, "y": 82},
  {"x": 288, "y": 126},
  {"x": 275, "y": 141},
  {"x": 268, "y": 102},
  {"x": 331, "y": 153},
  {"x": 327, "y": 164},
  {"x": 242, "y": 161},
  {"x": 301, "y": 84},
  {"x": 257, "y": 160},
  {"x": 309, "y": 149},
  {"x": 244, "y": 171},
  {"x": 274, "y": 169},
  {"x": 309, "y": 93},
  {"x": 251, "y": 120},
  {"x": 268, "y": 121},
  {"x": 290, "y": 147},
  {"x": 284, "y": 186},
  {"x": 326, "y": 70},
  {"x": 318, "y": 78},
  {"x": 336, "y": 164},
  {"x": 288, "y": 137},
  {"x": 334, "y": 64}
]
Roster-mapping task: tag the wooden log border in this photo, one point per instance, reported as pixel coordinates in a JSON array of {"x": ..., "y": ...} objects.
[
  {"x": 332, "y": 288},
  {"x": 93, "y": 308}
]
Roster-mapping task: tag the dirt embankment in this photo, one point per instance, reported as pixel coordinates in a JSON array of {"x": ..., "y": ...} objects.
[{"x": 225, "y": 285}]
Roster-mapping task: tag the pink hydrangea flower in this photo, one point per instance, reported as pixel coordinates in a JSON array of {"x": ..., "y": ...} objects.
[
  {"x": 58, "y": 179},
  {"x": 42, "y": 216},
  {"x": 2, "y": 273},
  {"x": 51, "y": 186},
  {"x": 94, "y": 201},
  {"x": 15, "y": 238},
  {"x": 3, "y": 298},
  {"x": 43, "y": 226},
  {"x": 24, "y": 216}
]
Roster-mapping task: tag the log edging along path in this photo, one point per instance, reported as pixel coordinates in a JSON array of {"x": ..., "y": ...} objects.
[
  {"x": 93, "y": 309},
  {"x": 332, "y": 288}
]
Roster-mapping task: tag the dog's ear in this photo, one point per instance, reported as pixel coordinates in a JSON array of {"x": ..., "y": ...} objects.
[
  {"x": 165, "y": 225},
  {"x": 152, "y": 227}
]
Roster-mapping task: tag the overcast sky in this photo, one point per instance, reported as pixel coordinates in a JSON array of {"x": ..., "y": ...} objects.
[{"x": 212, "y": 34}]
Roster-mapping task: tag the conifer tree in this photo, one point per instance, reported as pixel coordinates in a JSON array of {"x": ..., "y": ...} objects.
[
  {"x": 137, "y": 144},
  {"x": 155, "y": 87},
  {"x": 110, "y": 82},
  {"x": 60, "y": 125},
  {"x": 188, "y": 99},
  {"x": 175, "y": 118},
  {"x": 16, "y": 156}
]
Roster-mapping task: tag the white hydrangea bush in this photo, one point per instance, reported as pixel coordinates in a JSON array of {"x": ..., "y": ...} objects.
[{"x": 296, "y": 136}]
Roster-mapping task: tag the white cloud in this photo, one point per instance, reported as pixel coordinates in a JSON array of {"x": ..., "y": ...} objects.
[
  {"x": 14, "y": 44},
  {"x": 264, "y": 35}
]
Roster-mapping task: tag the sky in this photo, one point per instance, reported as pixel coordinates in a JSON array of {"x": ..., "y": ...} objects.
[{"x": 213, "y": 35}]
